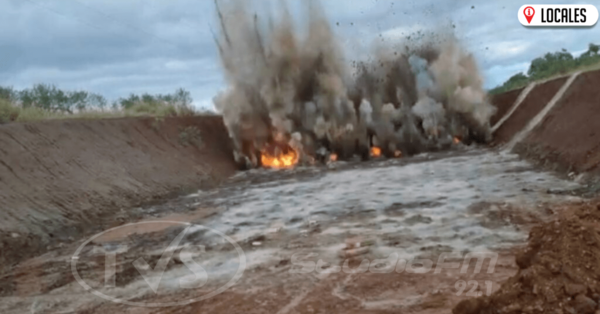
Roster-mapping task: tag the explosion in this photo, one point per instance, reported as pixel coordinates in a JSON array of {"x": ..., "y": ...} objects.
[
  {"x": 279, "y": 157},
  {"x": 375, "y": 152},
  {"x": 293, "y": 91}
]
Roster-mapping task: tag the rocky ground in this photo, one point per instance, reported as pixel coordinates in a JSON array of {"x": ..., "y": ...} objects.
[
  {"x": 376, "y": 237},
  {"x": 558, "y": 270}
]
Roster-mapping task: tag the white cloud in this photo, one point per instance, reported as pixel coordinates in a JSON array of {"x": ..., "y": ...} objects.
[
  {"x": 175, "y": 65},
  {"x": 507, "y": 49}
]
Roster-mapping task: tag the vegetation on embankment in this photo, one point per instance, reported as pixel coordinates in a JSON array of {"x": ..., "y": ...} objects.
[
  {"x": 43, "y": 102},
  {"x": 552, "y": 65}
]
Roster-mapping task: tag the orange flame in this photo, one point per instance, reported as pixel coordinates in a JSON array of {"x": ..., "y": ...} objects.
[
  {"x": 280, "y": 159},
  {"x": 375, "y": 152},
  {"x": 333, "y": 157}
]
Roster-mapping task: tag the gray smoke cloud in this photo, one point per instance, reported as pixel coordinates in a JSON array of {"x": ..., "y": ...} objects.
[{"x": 289, "y": 87}]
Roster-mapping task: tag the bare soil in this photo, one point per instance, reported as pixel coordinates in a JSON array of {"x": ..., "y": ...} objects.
[
  {"x": 558, "y": 270},
  {"x": 65, "y": 178},
  {"x": 537, "y": 99},
  {"x": 274, "y": 290},
  {"x": 504, "y": 103},
  {"x": 46, "y": 284},
  {"x": 568, "y": 139}
]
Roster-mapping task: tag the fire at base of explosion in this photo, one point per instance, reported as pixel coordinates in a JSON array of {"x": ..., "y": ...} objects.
[
  {"x": 283, "y": 156},
  {"x": 279, "y": 154},
  {"x": 375, "y": 152},
  {"x": 279, "y": 157}
]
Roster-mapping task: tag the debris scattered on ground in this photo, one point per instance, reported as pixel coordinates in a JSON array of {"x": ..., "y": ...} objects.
[
  {"x": 350, "y": 253},
  {"x": 558, "y": 271},
  {"x": 357, "y": 246}
]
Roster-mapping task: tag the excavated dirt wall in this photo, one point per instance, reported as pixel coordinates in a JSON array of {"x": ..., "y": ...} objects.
[
  {"x": 535, "y": 101},
  {"x": 63, "y": 178},
  {"x": 568, "y": 138},
  {"x": 504, "y": 103},
  {"x": 558, "y": 269}
]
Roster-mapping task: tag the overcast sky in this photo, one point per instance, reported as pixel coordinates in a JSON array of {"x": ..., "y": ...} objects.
[{"x": 118, "y": 47}]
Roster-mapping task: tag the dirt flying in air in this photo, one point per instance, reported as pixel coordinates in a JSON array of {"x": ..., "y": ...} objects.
[{"x": 293, "y": 98}]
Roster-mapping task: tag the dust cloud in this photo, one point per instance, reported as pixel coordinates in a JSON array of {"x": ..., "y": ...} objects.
[{"x": 291, "y": 87}]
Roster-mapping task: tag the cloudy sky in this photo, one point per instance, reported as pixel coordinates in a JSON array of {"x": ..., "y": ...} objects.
[{"x": 118, "y": 47}]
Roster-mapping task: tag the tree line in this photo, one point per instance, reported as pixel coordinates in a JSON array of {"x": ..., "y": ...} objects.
[
  {"x": 51, "y": 98},
  {"x": 550, "y": 65},
  {"x": 43, "y": 100}
]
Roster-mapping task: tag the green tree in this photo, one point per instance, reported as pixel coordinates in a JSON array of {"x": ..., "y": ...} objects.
[
  {"x": 182, "y": 98},
  {"x": 8, "y": 93},
  {"x": 26, "y": 98},
  {"x": 148, "y": 99},
  {"x": 517, "y": 79},
  {"x": 129, "y": 102},
  {"x": 60, "y": 101},
  {"x": 591, "y": 53},
  {"x": 78, "y": 100},
  {"x": 97, "y": 101},
  {"x": 52, "y": 99},
  {"x": 552, "y": 64},
  {"x": 42, "y": 96}
]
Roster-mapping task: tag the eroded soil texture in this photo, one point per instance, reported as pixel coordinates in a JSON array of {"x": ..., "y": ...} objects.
[{"x": 383, "y": 236}]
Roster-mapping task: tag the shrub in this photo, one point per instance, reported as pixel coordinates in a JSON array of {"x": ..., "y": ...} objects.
[
  {"x": 190, "y": 136},
  {"x": 48, "y": 102},
  {"x": 33, "y": 114},
  {"x": 153, "y": 108},
  {"x": 8, "y": 111}
]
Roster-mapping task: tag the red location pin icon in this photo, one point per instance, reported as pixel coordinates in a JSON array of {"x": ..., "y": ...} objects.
[{"x": 529, "y": 12}]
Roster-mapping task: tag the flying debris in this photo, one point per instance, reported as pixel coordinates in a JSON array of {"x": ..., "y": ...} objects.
[{"x": 292, "y": 89}]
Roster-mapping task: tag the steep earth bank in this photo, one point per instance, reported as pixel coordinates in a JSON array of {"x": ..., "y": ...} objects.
[{"x": 61, "y": 179}]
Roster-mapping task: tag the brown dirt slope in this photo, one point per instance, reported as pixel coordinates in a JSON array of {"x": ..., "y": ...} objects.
[
  {"x": 60, "y": 178},
  {"x": 558, "y": 271},
  {"x": 537, "y": 99},
  {"x": 569, "y": 136},
  {"x": 504, "y": 103}
]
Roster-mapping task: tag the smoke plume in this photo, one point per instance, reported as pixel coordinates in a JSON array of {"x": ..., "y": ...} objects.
[{"x": 292, "y": 88}]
